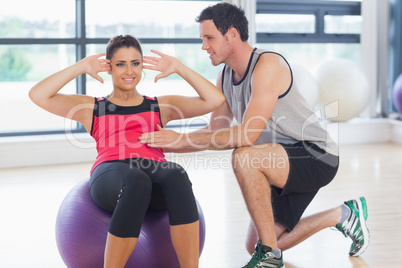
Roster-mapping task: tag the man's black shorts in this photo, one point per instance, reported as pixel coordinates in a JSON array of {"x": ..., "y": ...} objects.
[{"x": 310, "y": 168}]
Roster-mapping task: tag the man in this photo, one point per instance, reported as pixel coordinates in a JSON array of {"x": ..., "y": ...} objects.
[{"x": 282, "y": 155}]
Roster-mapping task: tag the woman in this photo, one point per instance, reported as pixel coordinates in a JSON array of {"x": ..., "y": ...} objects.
[{"x": 129, "y": 177}]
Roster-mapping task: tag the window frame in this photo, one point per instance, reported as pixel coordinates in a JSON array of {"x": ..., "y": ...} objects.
[{"x": 319, "y": 9}]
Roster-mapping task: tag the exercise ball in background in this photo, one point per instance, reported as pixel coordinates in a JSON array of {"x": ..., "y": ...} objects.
[
  {"x": 81, "y": 230},
  {"x": 306, "y": 83},
  {"x": 344, "y": 90},
  {"x": 397, "y": 93}
]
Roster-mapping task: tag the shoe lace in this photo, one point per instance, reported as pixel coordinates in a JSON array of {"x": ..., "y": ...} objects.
[
  {"x": 255, "y": 259},
  {"x": 355, "y": 235}
]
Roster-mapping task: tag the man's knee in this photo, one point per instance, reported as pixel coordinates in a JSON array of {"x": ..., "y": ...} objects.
[{"x": 241, "y": 159}]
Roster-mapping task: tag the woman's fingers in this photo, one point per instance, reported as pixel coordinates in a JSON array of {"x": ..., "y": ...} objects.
[{"x": 100, "y": 55}]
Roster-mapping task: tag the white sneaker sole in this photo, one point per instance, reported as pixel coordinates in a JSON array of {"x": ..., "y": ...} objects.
[{"x": 365, "y": 230}]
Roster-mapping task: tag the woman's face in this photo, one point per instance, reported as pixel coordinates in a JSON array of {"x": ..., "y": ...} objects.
[{"x": 126, "y": 71}]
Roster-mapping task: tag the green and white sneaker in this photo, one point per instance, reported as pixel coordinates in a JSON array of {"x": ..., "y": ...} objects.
[
  {"x": 264, "y": 258},
  {"x": 355, "y": 226}
]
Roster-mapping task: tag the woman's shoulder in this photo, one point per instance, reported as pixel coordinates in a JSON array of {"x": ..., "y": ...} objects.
[{"x": 150, "y": 98}]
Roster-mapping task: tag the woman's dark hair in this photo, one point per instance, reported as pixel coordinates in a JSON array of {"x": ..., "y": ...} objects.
[
  {"x": 120, "y": 41},
  {"x": 225, "y": 16}
]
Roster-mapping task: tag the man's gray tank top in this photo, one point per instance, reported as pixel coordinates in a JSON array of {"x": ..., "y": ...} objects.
[{"x": 292, "y": 120}]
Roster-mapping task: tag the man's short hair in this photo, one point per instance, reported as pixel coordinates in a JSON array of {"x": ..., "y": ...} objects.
[{"x": 225, "y": 16}]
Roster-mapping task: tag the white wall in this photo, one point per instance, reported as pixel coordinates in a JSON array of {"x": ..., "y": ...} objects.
[{"x": 375, "y": 49}]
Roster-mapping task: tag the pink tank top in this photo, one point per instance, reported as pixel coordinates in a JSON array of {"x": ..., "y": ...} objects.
[{"x": 116, "y": 130}]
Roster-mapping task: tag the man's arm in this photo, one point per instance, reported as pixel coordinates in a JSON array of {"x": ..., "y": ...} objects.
[
  {"x": 169, "y": 139},
  {"x": 271, "y": 78}
]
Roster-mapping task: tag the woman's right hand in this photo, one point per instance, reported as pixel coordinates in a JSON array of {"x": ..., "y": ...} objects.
[
  {"x": 94, "y": 65},
  {"x": 46, "y": 94}
]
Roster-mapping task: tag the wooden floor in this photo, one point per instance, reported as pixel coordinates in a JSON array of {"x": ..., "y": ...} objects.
[{"x": 30, "y": 197}]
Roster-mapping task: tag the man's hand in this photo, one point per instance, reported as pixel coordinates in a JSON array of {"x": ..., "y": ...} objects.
[{"x": 166, "y": 139}]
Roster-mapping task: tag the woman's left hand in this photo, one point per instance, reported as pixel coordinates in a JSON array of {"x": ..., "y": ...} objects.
[{"x": 166, "y": 64}]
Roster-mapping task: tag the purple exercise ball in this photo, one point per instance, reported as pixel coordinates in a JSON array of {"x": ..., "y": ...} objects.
[
  {"x": 397, "y": 90},
  {"x": 81, "y": 230}
]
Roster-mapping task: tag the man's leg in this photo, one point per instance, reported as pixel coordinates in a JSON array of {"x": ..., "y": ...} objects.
[
  {"x": 351, "y": 222},
  {"x": 308, "y": 226},
  {"x": 305, "y": 228},
  {"x": 275, "y": 170},
  {"x": 256, "y": 168}
]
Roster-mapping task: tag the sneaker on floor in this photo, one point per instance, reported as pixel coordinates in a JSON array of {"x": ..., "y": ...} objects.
[
  {"x": 264, "y": 258},
  {"x": 355, "y": 226}
]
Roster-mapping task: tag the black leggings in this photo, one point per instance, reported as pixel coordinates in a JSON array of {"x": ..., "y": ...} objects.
[{"x": 132, "y": 187}]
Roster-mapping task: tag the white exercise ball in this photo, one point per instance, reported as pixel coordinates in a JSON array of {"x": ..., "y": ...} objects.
[
  {"x": 306, "y": 84},
  {"x": 344, "y": 90}
]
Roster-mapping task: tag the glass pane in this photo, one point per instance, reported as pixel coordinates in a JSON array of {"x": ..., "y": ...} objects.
[
  {"x": 284, "y": 23},
  {"x": 37, "y": 19},
  {"x": 21, "y": 68},
  {"x": 343, "y": 24},
  {"x": 311, "y": 55},
  {"x": 172, "y": 19}
]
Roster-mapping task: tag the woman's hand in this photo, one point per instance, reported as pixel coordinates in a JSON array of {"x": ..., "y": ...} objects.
[
  {"x": 166, "y": 64},
  {"x": 94, "y": 65},
  {"x": 46, "y": 94}
]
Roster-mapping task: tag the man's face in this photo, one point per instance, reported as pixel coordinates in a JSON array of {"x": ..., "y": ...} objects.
[{"x": 213, "y": 42}]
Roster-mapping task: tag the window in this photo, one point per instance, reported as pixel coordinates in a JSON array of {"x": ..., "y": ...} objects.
[
  {"x": 285, "y": 23},
  {"x": 34, "y": 45},
  {"x": 309, "y": 32},
  {"x": 142, "y": 18},
  {"x": 23, "y": 19},
  {"x": 20, "y": 68}
]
